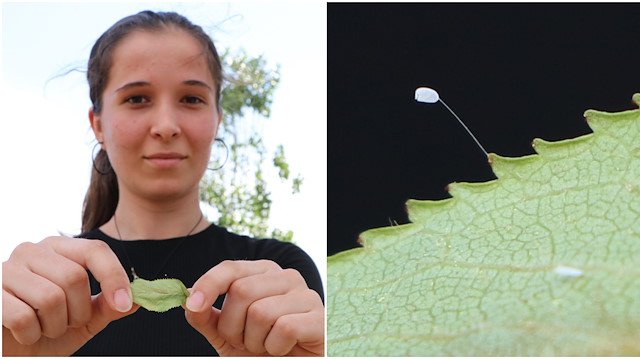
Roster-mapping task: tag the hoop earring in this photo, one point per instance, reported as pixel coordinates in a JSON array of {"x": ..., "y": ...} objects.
[
  {"x": 93, "y": 161},
  {"x": 226, "y": 157}
]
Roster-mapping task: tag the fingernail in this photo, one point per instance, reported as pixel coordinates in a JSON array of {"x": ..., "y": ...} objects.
[
  {"x": 195, "y": 301},
  {"x": 122, "y": 300}
]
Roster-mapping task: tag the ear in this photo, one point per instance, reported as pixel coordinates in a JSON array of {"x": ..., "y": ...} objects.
[
  {"x": 217, "y": 126},
  {"x": 96, "y": 126},
  {"x": 220, "y": 114}
]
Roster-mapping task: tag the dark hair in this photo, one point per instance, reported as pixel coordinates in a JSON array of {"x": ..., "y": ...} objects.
[{"x": 101, "y": 199}]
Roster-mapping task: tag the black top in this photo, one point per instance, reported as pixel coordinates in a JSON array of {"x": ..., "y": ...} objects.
[{"x": 152, "y": 334}]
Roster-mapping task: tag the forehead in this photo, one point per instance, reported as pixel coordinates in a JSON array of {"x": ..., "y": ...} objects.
[{"x": 163, "y": 52}]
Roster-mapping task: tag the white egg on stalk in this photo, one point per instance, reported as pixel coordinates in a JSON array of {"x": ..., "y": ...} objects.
[
  {"x": 426, "y": 95},
  {"x": 429, "y": 95}
]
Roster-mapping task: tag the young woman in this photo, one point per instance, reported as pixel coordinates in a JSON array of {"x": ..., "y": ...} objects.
[{"x": 155, "y": 83}]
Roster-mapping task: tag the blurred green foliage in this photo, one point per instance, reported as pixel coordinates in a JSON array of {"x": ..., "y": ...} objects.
[{"x": 238, "y": 190}]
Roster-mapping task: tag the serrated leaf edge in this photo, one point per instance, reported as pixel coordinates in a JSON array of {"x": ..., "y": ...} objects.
[{"x": 503, "y": 167}]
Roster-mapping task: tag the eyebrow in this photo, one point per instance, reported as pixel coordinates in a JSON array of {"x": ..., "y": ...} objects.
[
  {"x": 133, "y": 84},
  {"x": 143, "y": 84},
  {"x": 197, "y": 83}
]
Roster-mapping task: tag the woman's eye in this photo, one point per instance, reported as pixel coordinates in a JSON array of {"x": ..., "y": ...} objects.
[
  {"x": 136, "y": 100},
  {"x": 192, "y": 100}
]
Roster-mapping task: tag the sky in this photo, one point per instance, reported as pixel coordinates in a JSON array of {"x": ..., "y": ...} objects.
[
  {"x": 47, "y": 140},
  {"x": 511, "y": 72}
]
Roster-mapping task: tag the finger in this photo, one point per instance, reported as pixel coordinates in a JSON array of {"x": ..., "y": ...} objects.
[
  {"x": 263, "y": 314},
  {"x": 103, "y": 314},
  {"x": 46, "y": 299},
  {"x": 20, "y": 319},
  {"x": 69, "y": 276},
  {"x": 245, "y": 291},
  {"x": 219, "y": 278},
  {"x": 206, "y": 322},
  {"x": 96, "y": 256},
  {"x": 297, "y": 334}
]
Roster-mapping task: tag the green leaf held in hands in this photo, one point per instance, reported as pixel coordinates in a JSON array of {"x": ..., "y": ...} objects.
[
  {"x": 543, "y": 261},
  {"x": 159, "y": 295}
]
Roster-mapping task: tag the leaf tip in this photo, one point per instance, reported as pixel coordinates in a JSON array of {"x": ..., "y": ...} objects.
[
  {"x": 490, "y": 158},
  {"x": 555, "y": 149},
  {"x": 611, "y": 122},
  {"x": 510, "y": 167}
]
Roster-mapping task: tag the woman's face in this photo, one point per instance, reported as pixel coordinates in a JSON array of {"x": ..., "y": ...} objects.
[{"x": 159, "y": 116}]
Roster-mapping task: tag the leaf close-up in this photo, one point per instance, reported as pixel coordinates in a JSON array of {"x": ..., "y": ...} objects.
[
  {"x": 542, "y": 261},
  {"x": 159, "y": 295}
]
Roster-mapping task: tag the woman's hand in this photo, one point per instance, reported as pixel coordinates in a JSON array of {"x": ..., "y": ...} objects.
[
  {"x": 267, "y": 310},
  {"x": 47, "y": 307}
]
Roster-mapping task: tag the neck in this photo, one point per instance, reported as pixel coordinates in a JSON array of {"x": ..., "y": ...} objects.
[{"x": 149, "y": 219}]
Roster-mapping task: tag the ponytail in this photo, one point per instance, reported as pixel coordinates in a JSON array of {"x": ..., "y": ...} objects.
[{"x": 101, "y": 199}]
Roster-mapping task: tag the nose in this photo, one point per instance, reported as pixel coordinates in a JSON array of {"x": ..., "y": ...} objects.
[{"x": 165, "y": 123}]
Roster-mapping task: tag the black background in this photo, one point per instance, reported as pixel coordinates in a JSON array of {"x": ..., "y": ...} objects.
[{"x": 512, "y": 72}]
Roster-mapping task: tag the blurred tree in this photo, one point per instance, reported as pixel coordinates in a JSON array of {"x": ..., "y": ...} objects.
[{"x": 238, "y": 191}]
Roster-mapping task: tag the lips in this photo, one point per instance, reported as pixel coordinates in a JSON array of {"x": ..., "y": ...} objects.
[{"x": 165, "y": 159}]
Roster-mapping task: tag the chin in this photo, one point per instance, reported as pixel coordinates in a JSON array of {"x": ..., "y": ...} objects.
[{"x": 168, "y": 190}]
